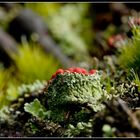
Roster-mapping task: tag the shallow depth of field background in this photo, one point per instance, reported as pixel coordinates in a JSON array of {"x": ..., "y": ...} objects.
[{"x": 38, "y": 38}]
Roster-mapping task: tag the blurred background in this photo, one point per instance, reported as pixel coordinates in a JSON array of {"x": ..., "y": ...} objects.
[{"x": 38, "y": 38}]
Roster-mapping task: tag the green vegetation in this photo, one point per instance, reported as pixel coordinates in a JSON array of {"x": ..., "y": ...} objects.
[
  {"x": 39, "y": 98},
  {"x": 41, "y": 66},
  {"x": 129, "y": 53},
  {"x": 36, "y": 109}
]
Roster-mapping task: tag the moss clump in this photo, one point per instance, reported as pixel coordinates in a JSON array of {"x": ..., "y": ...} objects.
[
  {"x": 33, "y": 64},
  {"x": 129, "y": 56}
]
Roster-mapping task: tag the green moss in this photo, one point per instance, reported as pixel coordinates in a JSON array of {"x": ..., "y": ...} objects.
[
  {"x": 8, "y": 86},
  {"x": 33, "y": 64},
  {"x": 129, "y": 56}
]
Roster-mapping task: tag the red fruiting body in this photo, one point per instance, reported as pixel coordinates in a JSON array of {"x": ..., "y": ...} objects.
[
  {"x": 84, "y": 71},
  {"x": 53, "y": 76},
  {"x": 114, "y": 39},
  {"x": 59, "y": 71},
  {"x": 77, "y": 70},
  {"x": 72, "y": 70},
  {"x": 111, "y": 41},
  {"x": 67, "y": 71},
  {"x": 92, "y": 71}
]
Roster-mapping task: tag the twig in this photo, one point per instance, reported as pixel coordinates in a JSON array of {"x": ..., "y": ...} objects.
[{"x": 134, "y": 121}]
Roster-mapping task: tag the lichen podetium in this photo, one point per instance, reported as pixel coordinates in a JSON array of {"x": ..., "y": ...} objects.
[{"x": 68, "y": 89}]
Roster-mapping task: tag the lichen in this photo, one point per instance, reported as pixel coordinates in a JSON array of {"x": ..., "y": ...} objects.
[{"x": 71, "y": 90}]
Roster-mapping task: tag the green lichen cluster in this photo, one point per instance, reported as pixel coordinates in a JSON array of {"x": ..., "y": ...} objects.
[
  {"x": 72, "y": 98},
  {"x": 31, "y": 88},
  {"x": 72, "y": 90},
  {"x": 81, "y": 129}
]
